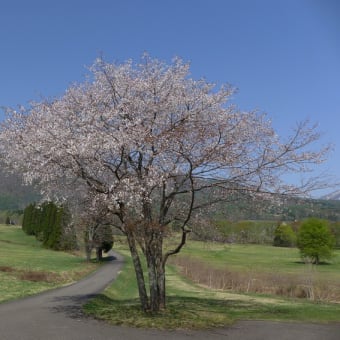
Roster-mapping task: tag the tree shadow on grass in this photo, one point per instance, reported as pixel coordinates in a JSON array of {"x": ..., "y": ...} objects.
[
  {"x": 182, "y": 312},
  {"x": 321, "y": 263}
]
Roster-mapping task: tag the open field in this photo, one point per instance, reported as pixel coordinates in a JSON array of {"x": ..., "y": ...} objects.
[
  {"x": 27, "y": 268},
  {"x": 260, "y": 269},
  {"x": 190, "y": 305},
  {"x": 259, "y": 257}
]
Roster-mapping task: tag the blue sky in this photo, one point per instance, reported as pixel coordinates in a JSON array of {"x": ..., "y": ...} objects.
[{"x": 282, "y": 55}]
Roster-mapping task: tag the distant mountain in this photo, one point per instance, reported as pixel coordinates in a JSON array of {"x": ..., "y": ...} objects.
[{"x": 332, "y": 196}]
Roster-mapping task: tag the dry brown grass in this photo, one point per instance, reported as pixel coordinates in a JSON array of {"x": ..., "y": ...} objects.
[
  {"x": 39, "y": 276},
  {"x": 7, "y": 269},
  {"x": 252, "y": 281}
]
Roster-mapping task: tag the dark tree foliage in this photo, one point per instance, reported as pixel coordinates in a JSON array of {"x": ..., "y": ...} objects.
[
  {"x": 51, "y": 224},
  {"x": 103, "y": 240},
  {"x": 29, "y": 219}
]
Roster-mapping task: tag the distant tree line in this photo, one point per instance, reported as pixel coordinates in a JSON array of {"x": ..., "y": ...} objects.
[
  {"x": 242, "y": 231},
  {"x": 273, "y": 232},
  {"x": 315, "y": 238}
]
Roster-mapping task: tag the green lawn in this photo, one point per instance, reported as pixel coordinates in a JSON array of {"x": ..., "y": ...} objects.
[
  {"x": 27, "y": 268},
  {"x": 256, "y": 257},
  {"x": 194, "y": 306}
]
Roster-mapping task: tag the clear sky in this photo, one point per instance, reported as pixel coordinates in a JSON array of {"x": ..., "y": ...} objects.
[{"x": 282, "y": 55}]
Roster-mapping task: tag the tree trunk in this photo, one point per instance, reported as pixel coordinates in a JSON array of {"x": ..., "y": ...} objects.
[
  {"x": 156, "y": 271},
  {"x": 88, "y": 251},
  {"x": 160, "y": 266},
  {"x": 161, "y": 286},
  {"x": 153, "y": 283},
  {"x": 88, "y": 240},
  {"x": 88, "y": 255},
  {"x": 138, "y": 271}
]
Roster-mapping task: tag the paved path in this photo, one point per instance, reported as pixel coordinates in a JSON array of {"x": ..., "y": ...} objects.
[{"x": 56, "y": 315}]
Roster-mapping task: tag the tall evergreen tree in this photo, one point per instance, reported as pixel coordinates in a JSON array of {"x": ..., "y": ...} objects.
[{"x": 51, "y": 224}]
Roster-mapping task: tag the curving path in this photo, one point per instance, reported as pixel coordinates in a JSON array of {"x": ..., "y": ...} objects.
[{"x": 56, "y": 315}]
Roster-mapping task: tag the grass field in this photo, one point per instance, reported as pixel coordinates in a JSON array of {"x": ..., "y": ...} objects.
[
  {"x": 257, "y": 257},
  {"x": 27, "y": 268},
  {"x": 260, "y": 269},
  {"x": 191, "y": 305}
]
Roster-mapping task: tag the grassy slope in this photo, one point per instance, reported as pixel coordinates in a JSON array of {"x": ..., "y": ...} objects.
[
  {"x": 193, "y": 306},
  {"x": 26, "y": 268}
]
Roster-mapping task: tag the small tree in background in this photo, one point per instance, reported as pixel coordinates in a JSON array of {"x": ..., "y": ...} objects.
[
  {"x": 284, "y": 236},
  {"x": 8, "y": 221},
  {"x": 103, "y": 240},
  {"x": 315, "y": 240}
]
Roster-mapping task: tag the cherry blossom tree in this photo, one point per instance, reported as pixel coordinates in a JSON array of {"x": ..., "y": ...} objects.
[{"x": 149, "y": 146}]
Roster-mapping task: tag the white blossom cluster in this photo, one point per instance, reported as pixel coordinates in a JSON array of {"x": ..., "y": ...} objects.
[{"x": 132, "y": 129}]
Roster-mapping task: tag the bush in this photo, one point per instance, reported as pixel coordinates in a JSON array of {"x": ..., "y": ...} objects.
[
  {"x": 315, "y": 240},
  {"x": 284, "y": 236}
]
